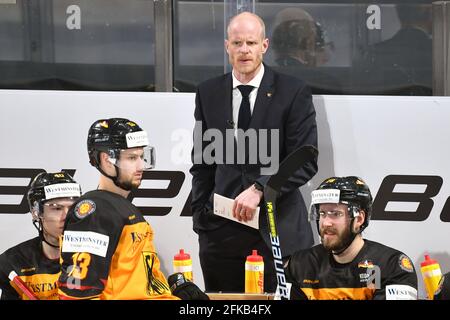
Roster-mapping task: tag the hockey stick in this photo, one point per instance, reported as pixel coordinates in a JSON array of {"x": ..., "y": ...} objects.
[
  {"x": 21, "y": 285},
  {"x": 293, "y": 162}
]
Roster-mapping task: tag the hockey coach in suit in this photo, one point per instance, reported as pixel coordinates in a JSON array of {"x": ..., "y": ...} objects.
[{"x": 255, "y": 100}]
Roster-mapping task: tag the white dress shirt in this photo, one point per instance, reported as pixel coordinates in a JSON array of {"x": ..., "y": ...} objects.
[{"x": 237, "y": 96}]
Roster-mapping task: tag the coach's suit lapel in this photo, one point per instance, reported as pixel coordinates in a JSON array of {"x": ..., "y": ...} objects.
[
  {"x": 263, "y": 99},
  {"x": 222, "y": 104},
  {"x": 223, "y": 109},
  {"x": 227, "y": 100}
]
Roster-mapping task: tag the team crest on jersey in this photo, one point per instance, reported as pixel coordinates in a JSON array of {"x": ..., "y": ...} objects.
[
  {"x": 84, "y": 208},
  {"x": 155, "y": 285},
  {"x": 405, "y": 263}
]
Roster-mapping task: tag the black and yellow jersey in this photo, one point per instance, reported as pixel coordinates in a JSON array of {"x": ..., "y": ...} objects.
[
  {"x": 377, "y": 272},
  {"x": 443, "y": 290},
  {"x": 107, "y": 252},
  {"x": 38, "y": 272}
]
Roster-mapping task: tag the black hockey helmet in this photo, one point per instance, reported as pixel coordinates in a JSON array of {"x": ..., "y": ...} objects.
[
  {"x": 115, "y": 134},
  {"x": 351, "y": 190},
  {"x": 46, "y": 186}
]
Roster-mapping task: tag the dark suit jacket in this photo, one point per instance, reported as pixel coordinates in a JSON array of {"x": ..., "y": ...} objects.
[{"x": 283, "y": 102}]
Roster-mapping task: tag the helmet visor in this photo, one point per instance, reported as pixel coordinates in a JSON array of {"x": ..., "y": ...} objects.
[
  {"x": 149, "y": 158},
  {"x": 140, "y": 158}
]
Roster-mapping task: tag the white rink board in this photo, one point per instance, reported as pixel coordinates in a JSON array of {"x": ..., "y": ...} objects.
[{"x": 368, "y": 136}]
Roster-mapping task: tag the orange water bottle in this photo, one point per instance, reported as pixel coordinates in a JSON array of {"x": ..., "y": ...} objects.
[
  {"x": 254, "y": 273},
  {"x": 182, "y": 263},
  {"x": 431, "y": 273}
]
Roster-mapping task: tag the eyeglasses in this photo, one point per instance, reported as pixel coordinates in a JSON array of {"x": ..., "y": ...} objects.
[{"x": 334, "y": 215}]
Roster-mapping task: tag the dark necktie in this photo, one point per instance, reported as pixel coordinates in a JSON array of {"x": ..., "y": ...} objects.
[{"x": 244, "y": 110}]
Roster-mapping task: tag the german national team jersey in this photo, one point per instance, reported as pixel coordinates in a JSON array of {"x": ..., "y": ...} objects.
[
  {"x": 39, "y": 273},
  {"x": 107, "y": 252},
  {"x": 443, "y": 290},
  {"x": 377, "y": 272}
]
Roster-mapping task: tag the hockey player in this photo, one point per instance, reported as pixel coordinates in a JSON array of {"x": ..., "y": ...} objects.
[
  {"x": 344, "y": 265},
  {"x": 107, "y": 248},
  {"x": 443, "y": 290},
  {"x": 36, "y": 261}
]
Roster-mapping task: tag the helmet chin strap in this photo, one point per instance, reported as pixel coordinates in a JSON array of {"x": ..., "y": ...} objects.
[
  {"x": 115, "y": 179},
  {"x": 348, "y": 242},
  {"x": 127, "y": 187},
  {"x": 40, "y": 228},
  {"x": 352, "y": 235}
]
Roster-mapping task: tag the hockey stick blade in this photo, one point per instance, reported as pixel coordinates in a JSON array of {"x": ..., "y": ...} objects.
[
  {"x": 293, "y": 162},
  {"x": 21, "y": 285}
]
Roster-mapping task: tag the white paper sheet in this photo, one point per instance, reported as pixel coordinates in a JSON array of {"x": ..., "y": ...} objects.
[{"x": 223, "y": 207}]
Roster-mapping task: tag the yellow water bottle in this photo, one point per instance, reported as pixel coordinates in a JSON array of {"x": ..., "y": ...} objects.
[
  {"x": 431, "y": 273},
  {"x": 182, "y": 263},
  {"x": 254, "y": 273}
]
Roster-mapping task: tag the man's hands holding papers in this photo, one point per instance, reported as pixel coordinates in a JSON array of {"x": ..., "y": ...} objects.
[
  {"x": 244, "y": 209},
  {"x": 245, "y": 204}
]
